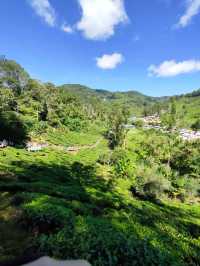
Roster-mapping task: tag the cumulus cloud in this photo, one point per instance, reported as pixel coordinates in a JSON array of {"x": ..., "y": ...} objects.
[
  {"x": 109, "y": 61},
  {"x": 66, "y": 28},
  {"x": 193, "y": 8},
  {"x": 99, "y": 18},
  {"x": 44, "y": 9},
  {"x": 172, "y": 68}
]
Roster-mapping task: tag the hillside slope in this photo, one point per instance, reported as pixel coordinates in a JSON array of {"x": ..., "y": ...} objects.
[
  {"x": 187, "y": 108},
  {"x": 93, "y": 190},
  {"x": 134, "y": 100}
]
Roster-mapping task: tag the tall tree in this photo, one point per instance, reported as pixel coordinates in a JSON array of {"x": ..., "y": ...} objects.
[{"x": 117, "y": 131}]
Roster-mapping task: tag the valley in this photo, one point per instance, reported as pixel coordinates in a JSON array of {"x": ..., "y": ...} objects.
[{"x": 76, "y": 183}]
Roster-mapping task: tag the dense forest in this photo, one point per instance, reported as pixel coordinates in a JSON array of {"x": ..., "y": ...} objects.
[{"x": 81, "y": 179}]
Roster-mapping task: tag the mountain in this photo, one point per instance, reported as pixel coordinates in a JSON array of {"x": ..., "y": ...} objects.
[
  {"x": 13, "y": 76},
  {"x": 136, "y": 101}
]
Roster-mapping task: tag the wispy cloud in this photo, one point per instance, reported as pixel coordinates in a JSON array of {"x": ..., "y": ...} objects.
[
  {"x": 67, "y": 28},
  {"x": 99, "y": 18},
  {"x": 192, "y": 9},
  {"x": 44, "y": 9},
  {"x": 172, "y": 68},
  {"x": 109, "y": 61}
]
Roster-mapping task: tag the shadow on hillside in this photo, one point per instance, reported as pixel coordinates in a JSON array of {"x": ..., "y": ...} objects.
[
  {"x": 69, "y": 182},
  {"x": 12, "y": 128},
  {"x": 97, "y": 200}
]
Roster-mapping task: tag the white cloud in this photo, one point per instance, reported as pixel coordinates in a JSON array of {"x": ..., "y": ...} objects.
[
  {"x": 193, "y": 8},
  {"x": 109, "y": 61},
  {"x": 99, "y": 18},
  {"x": 67, "y": 28},
  {"x": 172, "y": 68},
  {"x": 44, "y": 9}
]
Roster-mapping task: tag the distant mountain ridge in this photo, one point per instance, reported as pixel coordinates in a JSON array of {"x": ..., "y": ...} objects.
[
  {"x": 132, "y": 99},
  {"x": 78, "y": 88},
  {"x": 9, "y": 69},
  {"x": 13, "y": 76}
]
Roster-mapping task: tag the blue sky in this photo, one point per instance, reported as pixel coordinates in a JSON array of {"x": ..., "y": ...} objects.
[{"x": 149, "y": 46}]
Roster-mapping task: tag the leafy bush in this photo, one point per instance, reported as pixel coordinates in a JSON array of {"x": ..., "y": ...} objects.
[
  {"x": 186, "y": 159},
  {"x": 40, "y": 127},
  {"x": 101, "y": 243},
  {"x": 150, "y": 183},
  {"x": 77, "y": 124},
  {"x": 123, "y": 163},
  {"x": 46, "y": 214},
  {"x": 196, "y": 125},
  {"x": 138, "y": 123},
  {"x": 104, "y": 159},
  {"x": 12, "y": 128},
  {"x": 186, "y": 187}
]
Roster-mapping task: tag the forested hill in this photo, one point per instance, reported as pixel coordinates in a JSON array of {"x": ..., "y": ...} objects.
[
  {"x": 134, "y": 100},
  {"x": 95, "y": 102},
  {"x": 195, "y": 93},
  {"x": 13, "y": 76},
  {"x": 128, "y": 96}
]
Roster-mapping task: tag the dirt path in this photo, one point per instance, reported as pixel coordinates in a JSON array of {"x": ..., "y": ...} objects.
[
  {"x": 76, "y": 149},
  {"x": 34, "y": 146}
]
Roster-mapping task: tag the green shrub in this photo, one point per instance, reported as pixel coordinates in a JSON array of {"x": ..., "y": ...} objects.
[
  {"x": 150, "y": 183},
  {"x": 138, "y": 123},
  {"x": 40, "y": 127},
  {"x": 186, "y": 187},
  {"x": 196, "y": 125},
  {"x": 12, "y": 128},
  {"x": 46, "y": 214},
  {"x": 104, "y": 159},
  {"x": 123, "y": 163},
  {"x": 186, "y": 159},
  {"x": 103, "y": 244},
  {"x": 75, "y": 123}
]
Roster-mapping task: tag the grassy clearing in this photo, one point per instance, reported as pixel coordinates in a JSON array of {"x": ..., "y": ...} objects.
[{"x": 68, "y": 138}]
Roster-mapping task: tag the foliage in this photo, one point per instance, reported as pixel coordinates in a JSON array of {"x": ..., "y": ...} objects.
[
  {"x": 151, "y": 183},
  {"x": 101, "y": 243},
  {"x": 119, "y": 206},
  {"x": 186, "y": 159},
  {"x": 7, "y": 100},
  {"x": 123, "y": 163},
  {"x": 12, "y": 76},
  {"x": 138, "y": 123},
  {"x": 196, "y": 125},
  {"x": 117, "y": 131},
  {"x": 187, "y": 110},
  {"x": 75, "y": 208},
  {"x": 163, "y": 161},
  {"x": 43, "y": 113},
  {"x": 170, "y": 117},
  {"x": 46, "y": 214},
  {"x": 12, "y": 128}
]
